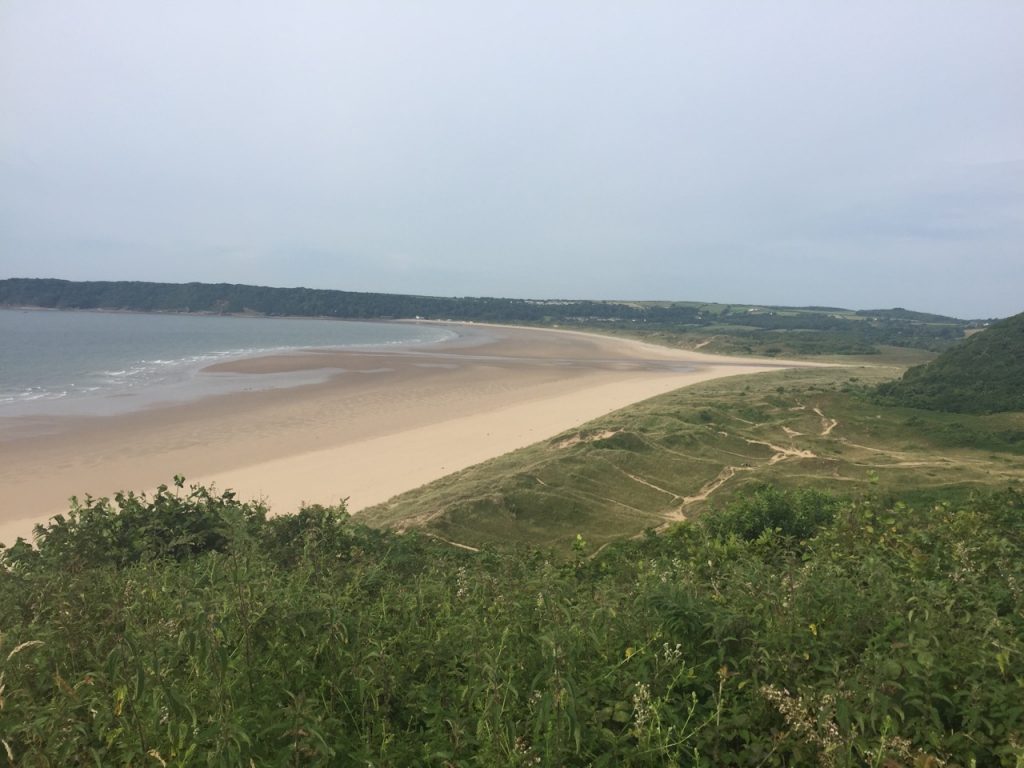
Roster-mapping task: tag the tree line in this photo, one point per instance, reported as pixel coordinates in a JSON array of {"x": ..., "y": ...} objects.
[{"x": 803, "y": 331}]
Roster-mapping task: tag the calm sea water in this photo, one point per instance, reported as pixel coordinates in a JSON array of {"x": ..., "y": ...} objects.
[{"x": 83, "y": 362}]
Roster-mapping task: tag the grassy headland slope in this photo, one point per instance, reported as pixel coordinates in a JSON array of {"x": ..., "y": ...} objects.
[
  {"x": 982, "y": 374},
  {"x": 673, "y": 456},
  {"x": 856, "y": 598},
  {"x": 717, "y": 328}
]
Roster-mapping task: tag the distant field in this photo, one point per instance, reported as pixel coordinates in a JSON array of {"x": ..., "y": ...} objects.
[{"x": 677, "y": 455}]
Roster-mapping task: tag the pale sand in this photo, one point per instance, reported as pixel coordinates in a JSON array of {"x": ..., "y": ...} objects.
[{"x": 391, "y": 421}]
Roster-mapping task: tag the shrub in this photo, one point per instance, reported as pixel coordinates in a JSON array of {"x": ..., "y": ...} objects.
[{"x": 795, "y": 514}]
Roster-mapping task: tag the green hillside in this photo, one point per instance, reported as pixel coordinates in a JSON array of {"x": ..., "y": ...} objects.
[{"x": 983, "y": 374}]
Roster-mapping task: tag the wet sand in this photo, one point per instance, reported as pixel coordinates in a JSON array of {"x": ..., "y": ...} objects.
[{"x": 383, "y": 422}]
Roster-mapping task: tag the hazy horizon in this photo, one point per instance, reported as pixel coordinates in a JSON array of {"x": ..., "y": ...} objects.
[{"x": 866, "y": 156}]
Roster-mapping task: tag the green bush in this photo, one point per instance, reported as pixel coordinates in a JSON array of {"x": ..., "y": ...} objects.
[
  {"x": 894, "y": 635},
  {"x": 794, "y": 514},
  {"x": 131, "y": 529}
]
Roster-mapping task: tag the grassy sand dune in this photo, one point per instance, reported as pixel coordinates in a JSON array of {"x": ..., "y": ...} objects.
[{"x": 673, "y": 456}]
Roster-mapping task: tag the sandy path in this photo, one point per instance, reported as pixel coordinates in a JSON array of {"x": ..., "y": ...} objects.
[{"x": 390, "y": 421}]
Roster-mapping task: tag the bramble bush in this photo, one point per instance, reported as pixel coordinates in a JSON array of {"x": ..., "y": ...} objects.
[{"x": 191, "y": 629}]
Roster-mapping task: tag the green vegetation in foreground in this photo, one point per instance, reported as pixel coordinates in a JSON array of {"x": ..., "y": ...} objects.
[
  {"x": 719, "y": 328},
  {"x": 679, "y": 454},
  {"x": 796, "y": 630},
  {"x": 982, "y": 374}
]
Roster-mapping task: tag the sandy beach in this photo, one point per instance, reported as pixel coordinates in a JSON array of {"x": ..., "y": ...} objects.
[{"x": 385, "y": 421}]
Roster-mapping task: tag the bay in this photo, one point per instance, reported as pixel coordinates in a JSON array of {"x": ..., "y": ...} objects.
[{"x": 84, "y": 362}]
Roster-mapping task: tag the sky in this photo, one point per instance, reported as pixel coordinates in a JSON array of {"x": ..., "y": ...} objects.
[{"x": 862, "y": 155}]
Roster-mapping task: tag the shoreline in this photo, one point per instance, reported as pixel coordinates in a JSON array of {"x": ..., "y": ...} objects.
[
  {"x": 381, "y": 422},
  {"x": 157, "y": 377}
]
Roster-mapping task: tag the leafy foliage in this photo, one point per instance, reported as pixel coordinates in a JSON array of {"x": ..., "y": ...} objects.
[
  {"x": 796, "y": 514},
  {"x": 136, "y": 529},
  {"x": 983, "y": 374},
  {"x": 892, "y": 635}
]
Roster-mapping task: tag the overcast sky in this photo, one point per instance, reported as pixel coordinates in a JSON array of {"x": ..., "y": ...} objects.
[{"x": 856, "y": 154}]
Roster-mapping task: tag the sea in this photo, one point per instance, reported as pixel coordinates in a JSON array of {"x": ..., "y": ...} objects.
[{"x": 95, "y": 363}]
